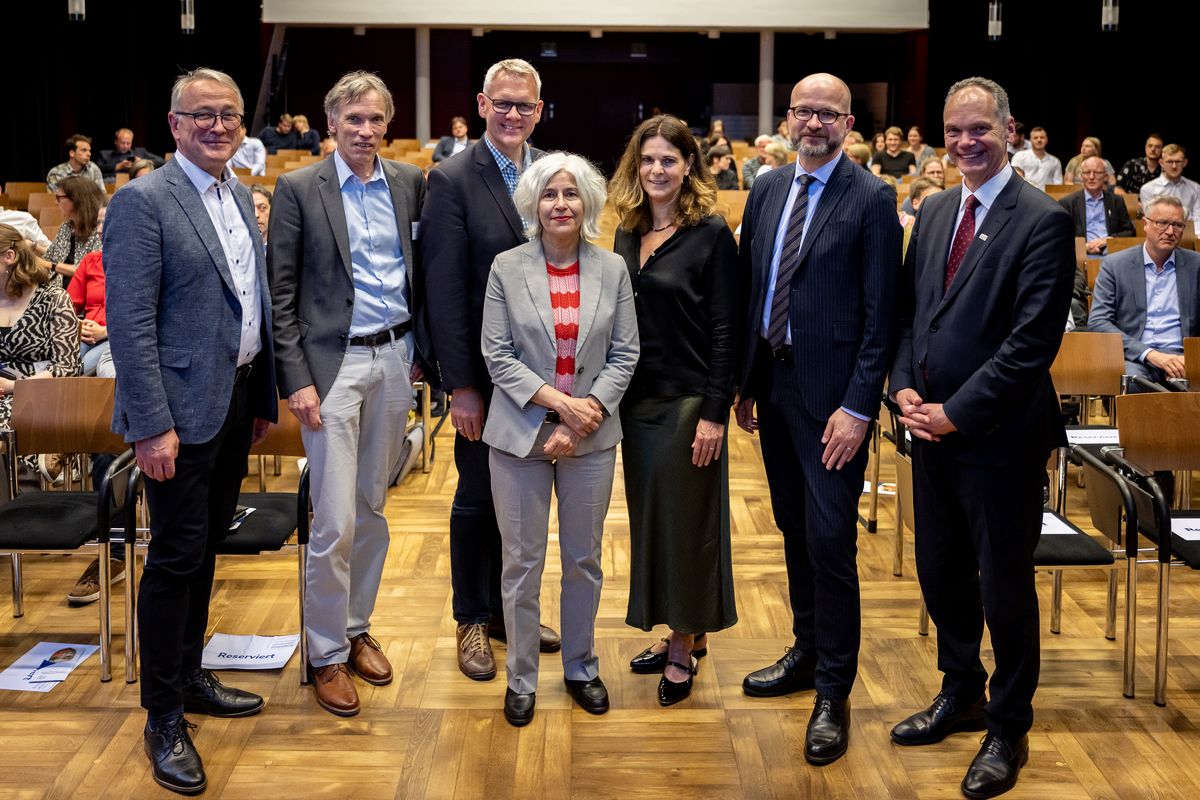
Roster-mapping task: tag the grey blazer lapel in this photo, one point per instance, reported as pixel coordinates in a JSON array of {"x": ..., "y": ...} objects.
[
  {"x": 538, "y": 283},
  {"x": 489, "y": 170},
  {"x": 196, "y": 212},
  {"x": 591, "y": 283},
  {"x": 331, "y": 198}
]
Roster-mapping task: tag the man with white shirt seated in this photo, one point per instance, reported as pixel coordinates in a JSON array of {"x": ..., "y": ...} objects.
[
  {"x": 28, "y": 227},
  {"x": 1171, "y": 182},
  {"x": 251, "y": 154},
  {"x": 1040, "y": 167}
]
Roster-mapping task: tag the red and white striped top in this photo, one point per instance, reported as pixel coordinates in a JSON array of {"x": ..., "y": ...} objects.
[{"x": 564, "y": 300}]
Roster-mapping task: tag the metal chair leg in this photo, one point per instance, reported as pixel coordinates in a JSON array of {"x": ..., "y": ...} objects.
[
  {"x": 302, "y": 559},
  {"x": 1056, "y": 603},
  {"x": 262, "y": 473},
  {"x": 1060, "y": 479},
  {"x": 1110, "y": 611},
  {"x": 923, "y": 620},
  {"x": 18, "y": 589},
  {"x": 1130, "y": 665},
  {"x": 105, "y": 612},
  {"x": 1160, "y": 645},
  {"x": 131, "y": 636},
  {"x": 426, "y": 430}
]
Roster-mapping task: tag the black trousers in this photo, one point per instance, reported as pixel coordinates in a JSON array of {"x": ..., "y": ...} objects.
[
  {"x": 977, "y": 527},
  {"x": 817, "y": 511},
  {"x": 189, "y": 516},
  {"x": 474, "y": 537}
]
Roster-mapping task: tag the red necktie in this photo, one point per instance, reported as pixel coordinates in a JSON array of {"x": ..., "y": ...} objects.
[{"x": 962, "y": 240}]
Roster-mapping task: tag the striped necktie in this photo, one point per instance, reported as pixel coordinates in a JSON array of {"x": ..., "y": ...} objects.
[{"x": 789, "y": 262}]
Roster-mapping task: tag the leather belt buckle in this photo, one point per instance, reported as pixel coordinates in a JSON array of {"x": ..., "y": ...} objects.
[{"x": 382, "y": 337}]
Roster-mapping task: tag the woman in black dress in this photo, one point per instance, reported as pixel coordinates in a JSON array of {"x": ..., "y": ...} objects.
[{"x": 682, "y": 259}]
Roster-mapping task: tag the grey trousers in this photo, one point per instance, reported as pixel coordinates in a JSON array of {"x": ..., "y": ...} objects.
[
  {"x": 521, "y": 490},
  {"x": 362, "y": 427}
]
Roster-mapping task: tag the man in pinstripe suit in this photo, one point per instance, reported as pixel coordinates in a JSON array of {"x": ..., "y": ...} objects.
[{"x": 820, "y": 254}]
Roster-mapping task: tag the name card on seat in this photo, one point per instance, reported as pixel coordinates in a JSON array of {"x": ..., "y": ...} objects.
[
  {"x": 1093, "y": 436},
  {"x": 1053, "y": 524},
  {"x": 1187, "y": 528}
]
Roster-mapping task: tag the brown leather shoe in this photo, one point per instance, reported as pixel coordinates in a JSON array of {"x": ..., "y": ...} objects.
[
  {"x": 368, "y": 660},
  {"x": 475, "y": 657},
  {"x": 335, "y": 689}
]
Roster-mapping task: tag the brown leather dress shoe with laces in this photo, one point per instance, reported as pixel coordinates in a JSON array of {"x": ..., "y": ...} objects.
[
  {"x": 335, "y": 689},
  {"x": 475, "y": 657},
  {"x": 368, "y": 660}
]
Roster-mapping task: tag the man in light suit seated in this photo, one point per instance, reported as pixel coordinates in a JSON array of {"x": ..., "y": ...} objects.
[{"x": 1149, "y": 295}]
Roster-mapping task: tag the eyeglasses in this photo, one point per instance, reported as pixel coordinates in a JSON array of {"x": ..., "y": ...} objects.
[
  {"x": 826, "y": 116},
  {"x": 1174, "y": 162},
  {"x": 1092, "y": 173},
  {"x": 207, "y": 120},
  {"x": 504, "y": 106},
  {"x": 1166, "y": 223}
]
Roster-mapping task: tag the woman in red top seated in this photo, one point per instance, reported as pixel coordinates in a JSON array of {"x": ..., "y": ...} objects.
[
  {"x": 560, "y": 342},
  {"x": 87, "y": 293}
]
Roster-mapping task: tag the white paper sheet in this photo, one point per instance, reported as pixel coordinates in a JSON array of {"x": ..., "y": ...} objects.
[
  {"x": 1094, "y": 436},
  {"x": 45, "y": 666},
  {"x": 1054, "y": 526},
  {"x": 1187, "y": 528},
  {"x": 227, "y": 651}
]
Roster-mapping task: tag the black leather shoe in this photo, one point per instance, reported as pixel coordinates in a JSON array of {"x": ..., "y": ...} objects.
[
  {"x": 996, "y": 767},
  {"x": 828, "y": 733},
  {"x": 648, "y": 662},
  {"x": 592, "y": 695},
  {"x": 548, "y": 638},
  {"x": 670, "y": 692},
  {"x": 205, "y": 694},
  {"x": 173, "y": 758},
  {"x": 518, "y": 708},
  {"x": 792, "y": 673},
  {"x": 944, "y": 717}
]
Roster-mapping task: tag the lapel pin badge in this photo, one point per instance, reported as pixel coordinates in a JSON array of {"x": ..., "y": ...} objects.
[{"x": 983, "y": 237}]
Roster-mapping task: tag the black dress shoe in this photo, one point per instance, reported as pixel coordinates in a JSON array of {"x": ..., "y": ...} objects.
[
  {"x": 205, "y": 694},
  {"x": 996, "y": 767},
  {"x": 828, "y": 733},
  {"x": 648, "y": 662},
  {"x": 173, "y": 758},
  {"x": 592, "y": 695},
  {"x": 944, "y": 717},
  {"x": 792, "y": 673},
  {"x": 670, "y": 692},
  {"x": 548, "y": 638},
  {"x": 518, "y": 708}
]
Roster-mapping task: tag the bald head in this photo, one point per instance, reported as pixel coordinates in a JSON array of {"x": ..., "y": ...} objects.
[{"x": 829, "y": 85}]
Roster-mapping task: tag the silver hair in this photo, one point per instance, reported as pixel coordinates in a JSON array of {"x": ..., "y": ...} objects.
[
  {"x": 588, "y": 180},
  {"x": 1166, "y": 200},
  {"x": 761, "y": 139},
  {"x": 203, "y": 74},
  {"x": 1003, "y": 113},
  {"x": 354, "y": 86},
  {"x": 512, "y": 66}
]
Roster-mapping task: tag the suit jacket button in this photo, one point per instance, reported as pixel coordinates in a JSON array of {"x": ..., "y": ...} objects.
[
  {"x": 921, "y": 364},
  {"x": 933, "y": 327},
  {"x": 579, "y": 371},
  {"x": 349, "y": 301}
]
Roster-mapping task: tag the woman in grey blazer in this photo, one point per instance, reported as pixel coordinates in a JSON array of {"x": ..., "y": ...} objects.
[{"x": 560, "y": 342}]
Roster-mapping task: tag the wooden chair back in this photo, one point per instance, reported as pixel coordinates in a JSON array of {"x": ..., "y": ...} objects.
[
  {"x": 1191, "y": 359},
  {"x": 1131, "y": 205},
  {"x": 292, "y": 154},
  {"x": 50, "y": 216},
  {"x": 65, "y": 415},
  {"x": 19, "y": 192},
  {"x": 1160, "y": 430},
  {"x": 283, "y": 438},
  {"x": 1080, "y": 253},
  {"x": 1118, "y": 243},
  {"x": 1093, "y": 270},
  {"x": 1089, "y": 363},
  {"x": 1060, "y": 190},
  {"x": 36, "y": 202},
  {"x": 731, "y": 204}
]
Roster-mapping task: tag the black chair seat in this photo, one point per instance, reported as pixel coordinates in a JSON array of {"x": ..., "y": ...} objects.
[
  {"x": 48, "y": 521},
  {"x": 1075, "y": 549},
  {"x": 267, "y": 529}
]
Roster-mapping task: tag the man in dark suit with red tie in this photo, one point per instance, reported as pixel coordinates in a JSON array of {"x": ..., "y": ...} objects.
[
  {"x": 985, "y": 289},
  {"x": 820, "y": 255}
]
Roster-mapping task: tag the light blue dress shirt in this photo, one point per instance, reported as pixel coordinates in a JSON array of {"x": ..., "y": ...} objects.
[
  {"x": 1164, "y": 331},
  {"x": 1097, "y": 227},
  {"x": 377, "y": 259}
]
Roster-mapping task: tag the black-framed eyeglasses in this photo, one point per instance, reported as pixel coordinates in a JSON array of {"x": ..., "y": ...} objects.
[
  {"x": 504, "y": 106},
  {"x": 207, "y": 120},
  {"x": 826, "y": 116},
  {"x": 1167, "y": 223}
]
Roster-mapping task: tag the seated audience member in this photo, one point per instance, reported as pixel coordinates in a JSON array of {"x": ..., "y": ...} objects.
[
  {"x": 893, "y": 160},
  {"x": 261, "y": 196},
  {"x": 552, "y": 427},
  {"x": 932, "y": 168},
  {"x": 878, "y": 143},
  {"x": 720, "y": 160},
  {"x": 27, "y": 225},
  {"x": 860, "y": 153},
  {"x": 1097, "y": 212},
  {"x": 139, "y": 168},
  {"x": 78, "y": 163},
  {"x": 309, "y": 139},
  {"x": 1171, "y": 182},
  {"x": 281, "y": 136},
  {"x": 87, "y": 294},
  {"x": 1151, "y": 295},
  {"x": 1038, "y": 166},
  {"x": 1017, "y": 141},
  {"x": 122, "y": 155},
  {"x": 921, "y": 188},
  {"x": 917, "y": 146},
  {"x": 455, "y": 143},
  {"x": 750, "y": 168},
  {"x": 782, "y": 136},
  {"x": 775, "y": 156},
  {"x": 716, "y": 128},
  {"x": 82, "y": 203},
  {"x": 1137, "y": 172},
  {"x": 251, "y": 154},
  {"x": 1090, "y": 147}
]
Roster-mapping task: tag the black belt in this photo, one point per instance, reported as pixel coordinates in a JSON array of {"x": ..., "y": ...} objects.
[
  {"x": 241, "y": 373},
  {"x": 383, "y": 337}
]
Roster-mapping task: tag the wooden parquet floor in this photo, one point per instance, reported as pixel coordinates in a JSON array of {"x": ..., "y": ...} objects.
[{"x": 434, "y": 734}]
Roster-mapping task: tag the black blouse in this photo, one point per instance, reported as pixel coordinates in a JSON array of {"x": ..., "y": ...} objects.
[{"x": 686, "y": 300}]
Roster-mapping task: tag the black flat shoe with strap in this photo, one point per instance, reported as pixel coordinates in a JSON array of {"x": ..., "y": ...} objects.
[
  {"x": 670, "y": 692},
  {"x": 649, "y": 662}
]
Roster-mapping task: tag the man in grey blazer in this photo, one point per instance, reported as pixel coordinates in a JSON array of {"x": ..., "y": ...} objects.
[
  {"x": 1149, "y": 295},
  {"x": 189, "y": 324},
  {"x": 343, "y": 267}
]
